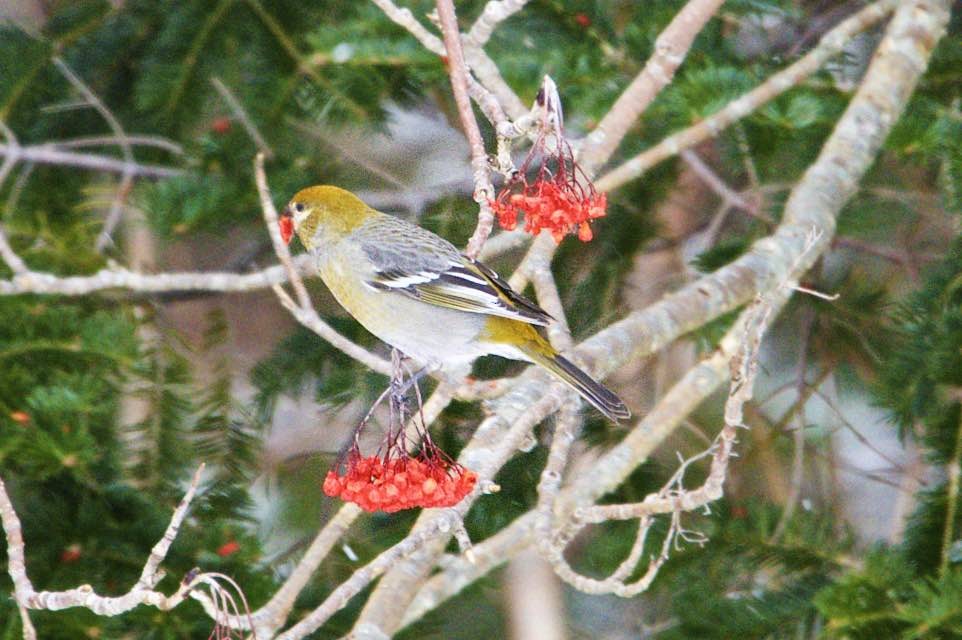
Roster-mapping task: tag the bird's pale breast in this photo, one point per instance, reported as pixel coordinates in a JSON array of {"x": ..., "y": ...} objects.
[{"x": 425, "y": 332}]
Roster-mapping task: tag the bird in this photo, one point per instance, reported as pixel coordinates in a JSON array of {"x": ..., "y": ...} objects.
[{"x": 418, "y": 293}]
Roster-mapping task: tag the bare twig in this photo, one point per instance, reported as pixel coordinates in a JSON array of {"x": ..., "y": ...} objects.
[
  {"x": 241, "y": 114},
  {"x": 818, "y": 294},
  {"x": 485, "y": 69},
  {"x": 494, "y": 13},
  {"x": 304, "y": 311},
  {"x": 534, "y": 600},
  {"x": 268, "y": 619},
  {"x": 483, "y": 189},
  {"x": 503, "y": 242},
  {"x": 952, "y": 490},
  {"x": 15, "y": 262},
  {"x": 546, "y": 290},
  {"x": 29, "y": 632},
  {"x": 728, "y": 195},
  {"x": 39, "y": 282},
  {"x": 135, "y": 140},
  {"x": 127, "y": 178},
  {"x": 566, "y": 431},
  {"x": 863, "y": 440},
  {"x": 84, "y": 596},
  {"x": 10, "y": 159},
  {"x": 899, "y": 255},
  {"x": 13, "y": 196},
  {"x": 541, "y": 251},
  {"x": 47, "y": 154},
  {"x": 404, "y": 18},
  {"x": 7, "y": 254},
  {"x": 490, "y": 77}
]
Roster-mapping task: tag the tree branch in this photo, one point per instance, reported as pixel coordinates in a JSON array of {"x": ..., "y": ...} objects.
[
  {"x": 49, "y": 154},
  {"x": 483, "y": 189},
  {"x": 478, "y": 60},
  {"x": 813, "y": 205},
  {"x": 829, "y": 46},
  {"x": 404, "y": 18},
  {"x": 238, "y": 110},
  {"x": 670, "y": 50},
  {"x": 729, "y": 196},
  {"x": 84, "y": 596},
  {"x": 39, "y": 282},
  {"x": 494, "y": 13},
  {"x": 304, "y": 310},
  {"x": 127, "y": 179},
  {"x": 133, "y": 139}
]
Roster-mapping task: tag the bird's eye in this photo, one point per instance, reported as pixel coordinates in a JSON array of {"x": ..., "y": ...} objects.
[{"x": 298, "y": 207}]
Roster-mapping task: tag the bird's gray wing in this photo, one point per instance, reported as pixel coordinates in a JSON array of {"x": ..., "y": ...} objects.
[{"x": 417, "y": 263}]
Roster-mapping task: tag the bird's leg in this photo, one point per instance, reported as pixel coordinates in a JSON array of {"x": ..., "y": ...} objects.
[
  {"x": 414, "y": 377},
  {"x": 396, "y": 387},
  {"x": 402, "y": 379},
  {"x": 408, "y": 379},
  {"x": 398, "y": 391}
]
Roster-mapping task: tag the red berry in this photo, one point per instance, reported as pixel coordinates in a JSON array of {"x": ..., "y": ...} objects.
[
  {"x": 228, "y": 548},
  {"x": 71, "y": 554},
  {"x": 221, "y": 125},
  {"x": 584, "y": 232},
  {"x": 583, "y": 20}
]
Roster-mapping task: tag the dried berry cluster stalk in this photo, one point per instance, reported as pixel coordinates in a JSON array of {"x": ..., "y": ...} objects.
[{"x": 559, "y": 197}]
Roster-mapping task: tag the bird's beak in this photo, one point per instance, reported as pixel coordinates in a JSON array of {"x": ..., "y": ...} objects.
[{"x": 286, "y": 225}]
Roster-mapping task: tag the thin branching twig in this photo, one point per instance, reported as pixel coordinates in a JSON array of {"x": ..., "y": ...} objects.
[
  {"x": 483, "y": 189},
  {"x": 141, "y": 593},
  {"x": 303, "y": 310}
]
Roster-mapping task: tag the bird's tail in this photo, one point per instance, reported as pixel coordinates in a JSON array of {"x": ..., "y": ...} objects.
[{"x": 600, "y": 396}]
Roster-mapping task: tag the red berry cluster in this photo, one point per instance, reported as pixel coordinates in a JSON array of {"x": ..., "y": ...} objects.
[
  {"x": 557, "y": 196},
  {"x": 400, "y": 482},
  {"x": 546, "y": 204}
]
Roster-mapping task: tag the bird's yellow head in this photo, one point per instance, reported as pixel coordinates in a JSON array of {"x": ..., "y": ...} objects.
[{"x": 332, "y": 211}]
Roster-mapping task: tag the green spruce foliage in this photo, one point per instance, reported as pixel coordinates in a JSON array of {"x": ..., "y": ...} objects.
[{"x": 106, "y": 411}]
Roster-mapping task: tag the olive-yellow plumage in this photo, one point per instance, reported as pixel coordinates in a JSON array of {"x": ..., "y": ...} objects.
[{"x": 417, "y": 292}]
